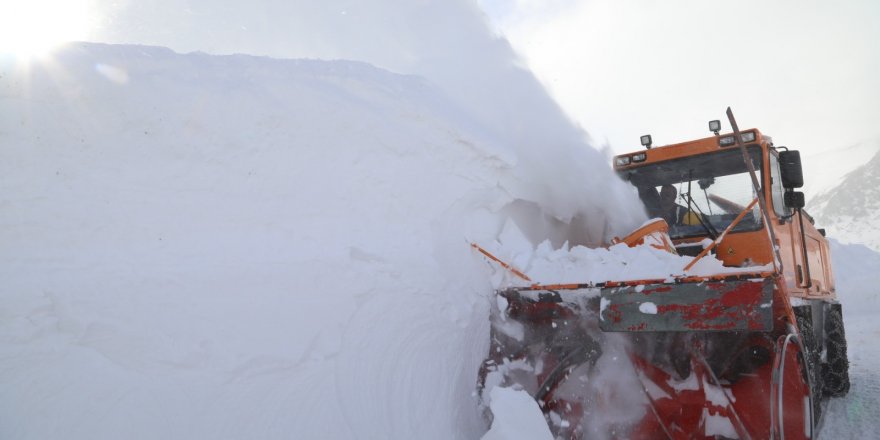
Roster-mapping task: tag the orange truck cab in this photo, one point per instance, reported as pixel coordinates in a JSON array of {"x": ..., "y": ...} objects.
[
  {"x": 711, "y": 185},
  {"x": 748, "y": 353}
]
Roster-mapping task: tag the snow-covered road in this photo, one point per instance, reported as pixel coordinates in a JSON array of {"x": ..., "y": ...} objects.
[{"x": 857, "y": 416}]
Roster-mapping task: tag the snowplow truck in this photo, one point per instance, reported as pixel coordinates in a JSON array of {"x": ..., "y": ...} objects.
[{"x": 751, "y": 355}]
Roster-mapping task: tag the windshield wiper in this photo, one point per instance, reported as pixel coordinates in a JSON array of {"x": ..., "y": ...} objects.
[{"x": 713, "y": 233}]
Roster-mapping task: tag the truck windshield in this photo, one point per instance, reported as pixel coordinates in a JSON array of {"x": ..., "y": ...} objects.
[{"x": 699, "y": 195}]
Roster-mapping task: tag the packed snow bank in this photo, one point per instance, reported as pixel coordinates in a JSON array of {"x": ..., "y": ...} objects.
[
  {"x": 856, "y": 277},
  {"x": 544, "y": 264},
  {"x": 235, "y": 247}
]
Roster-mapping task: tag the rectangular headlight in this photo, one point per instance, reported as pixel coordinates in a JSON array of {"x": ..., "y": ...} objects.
[
  {"x": 621, "y": 161},
  {"x": 726, "y": 141},
  {"x": 748, "y": 136},
  {"x": 640, "y": 157}
]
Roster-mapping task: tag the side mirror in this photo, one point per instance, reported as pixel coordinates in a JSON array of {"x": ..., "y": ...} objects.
[
  {"x": 790, "y": 168},
  {"x": 793, "y": 199}
]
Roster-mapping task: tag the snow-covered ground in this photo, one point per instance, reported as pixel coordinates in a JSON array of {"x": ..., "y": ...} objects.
[
  {"x": 857, "y": 416},
  {"x": 196, "y": 246}
]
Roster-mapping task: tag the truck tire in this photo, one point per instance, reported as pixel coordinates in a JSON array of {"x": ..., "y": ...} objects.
[
  {"x": 835, "y": 372},
  {"x": 812, "y": 356}
]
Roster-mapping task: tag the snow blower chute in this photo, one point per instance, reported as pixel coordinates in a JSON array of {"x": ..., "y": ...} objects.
[{"x": 751, "y": 353}]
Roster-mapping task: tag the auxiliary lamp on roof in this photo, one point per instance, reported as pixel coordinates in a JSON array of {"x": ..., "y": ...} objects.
[
  {"x": 715, "y": 126},
  {"x": 646, "y": 141},
  {"x": 729, "y": 140}
]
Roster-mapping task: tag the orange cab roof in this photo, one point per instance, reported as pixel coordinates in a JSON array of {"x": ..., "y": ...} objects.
[{"x": 684, "y": 149}]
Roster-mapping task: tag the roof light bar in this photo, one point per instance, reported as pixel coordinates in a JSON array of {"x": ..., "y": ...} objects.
[
  {"x": 726, "y": 141},
  {"x": 621, "y": 161},
  {"x": 640, "y": 157}
]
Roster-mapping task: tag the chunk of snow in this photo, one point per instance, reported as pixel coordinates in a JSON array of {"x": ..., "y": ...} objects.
[
  {"x": 603, "y": 304},
  {"x": 511, "y": 328},
  {"x": 717, "y": 425},
  {"x": 717, "y": 395},
  {"x": 501, "y": 303},
  {"x": 648, "y": 308},
  {"x": 516, "y": 415},
  {"x": 516, "y": 248},
  {"x": 689, "y": 383}
]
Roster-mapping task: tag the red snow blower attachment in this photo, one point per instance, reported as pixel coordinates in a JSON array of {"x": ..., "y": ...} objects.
[{"x": 751, "y": 352}]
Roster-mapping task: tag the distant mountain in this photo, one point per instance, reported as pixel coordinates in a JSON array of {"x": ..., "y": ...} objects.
[
  {"x": 826, "y": 170},
  {"x": 850, "y": 211}
]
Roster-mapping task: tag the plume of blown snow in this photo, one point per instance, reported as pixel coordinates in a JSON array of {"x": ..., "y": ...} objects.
[{"x": 448, "y": 42}]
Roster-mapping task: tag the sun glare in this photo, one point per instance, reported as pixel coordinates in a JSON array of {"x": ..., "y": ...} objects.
[{"x": 32, "y": 28}]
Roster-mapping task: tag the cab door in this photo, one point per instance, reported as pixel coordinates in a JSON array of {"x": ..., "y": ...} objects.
[
  {"x": 805, "y": 255},
  {"x": 787, "y": 231}
]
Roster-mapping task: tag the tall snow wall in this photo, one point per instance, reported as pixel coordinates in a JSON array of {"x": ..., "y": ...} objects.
[{"x": 199, "y": 246}]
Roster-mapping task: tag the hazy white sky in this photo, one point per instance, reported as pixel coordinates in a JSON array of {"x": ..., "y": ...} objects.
[{"x": 804, "y": 71}]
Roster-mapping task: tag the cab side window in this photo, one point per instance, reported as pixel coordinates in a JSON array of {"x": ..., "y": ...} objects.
[{"x": 776, "y": 189}]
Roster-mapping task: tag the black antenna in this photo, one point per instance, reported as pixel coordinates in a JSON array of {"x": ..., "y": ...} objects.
[{"x": 757, "y": 186}]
